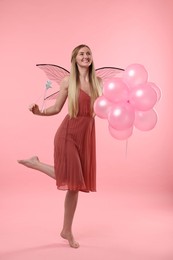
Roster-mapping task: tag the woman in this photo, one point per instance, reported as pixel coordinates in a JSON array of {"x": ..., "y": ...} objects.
[{"x": 74, "y": 144}]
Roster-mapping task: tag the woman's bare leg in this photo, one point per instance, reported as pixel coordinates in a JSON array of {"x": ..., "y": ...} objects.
[
  {"x": 70, "y": 207},
  {"x": 35, "y": 164},
  {"x": 70, "y": 200}
]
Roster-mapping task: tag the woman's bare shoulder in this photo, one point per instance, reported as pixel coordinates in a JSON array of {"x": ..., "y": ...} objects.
[
  {"x": 100, "y": 80},
  {"x": 65, "y": 82}
]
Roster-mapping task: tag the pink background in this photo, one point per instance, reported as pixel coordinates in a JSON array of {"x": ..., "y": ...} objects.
[{"x": 130, "y": 215}]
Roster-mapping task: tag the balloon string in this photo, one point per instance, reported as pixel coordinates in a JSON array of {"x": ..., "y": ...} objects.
[{"x": 126, "y": 147}]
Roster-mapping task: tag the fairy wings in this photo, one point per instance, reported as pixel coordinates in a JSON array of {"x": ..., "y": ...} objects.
[{"x": 57, "y": 73}]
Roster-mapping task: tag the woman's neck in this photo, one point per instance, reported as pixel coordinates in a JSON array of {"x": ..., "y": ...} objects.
[{"x": 83, "y": 74}]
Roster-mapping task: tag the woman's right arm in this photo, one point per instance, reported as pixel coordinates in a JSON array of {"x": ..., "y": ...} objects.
[{"x": 56, "y": 108}]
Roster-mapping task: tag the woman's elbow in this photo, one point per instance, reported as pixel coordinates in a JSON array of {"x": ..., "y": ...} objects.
[{"x": 58, "y": 110}]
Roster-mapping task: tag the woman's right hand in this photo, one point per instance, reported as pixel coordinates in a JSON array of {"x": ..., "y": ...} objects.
[{"x": 34, "y": 108}]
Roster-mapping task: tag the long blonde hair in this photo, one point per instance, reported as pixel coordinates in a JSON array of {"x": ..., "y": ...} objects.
[{"x": 73, "y": 90}]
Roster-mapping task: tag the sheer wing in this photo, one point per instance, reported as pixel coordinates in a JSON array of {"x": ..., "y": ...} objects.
[
  {"x": 108, "y": 72},
  {"x": 55, "y": 73}
]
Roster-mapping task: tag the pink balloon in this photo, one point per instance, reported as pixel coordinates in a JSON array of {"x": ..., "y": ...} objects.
[
  {"x": 145, "y": 120},
  {"x": 156, "y": 88},
  {"x": 135, "y": 75},
  {"x": 102, "y": 107},
  {"x": 121, "y": 135},
  {"x": 121, "y": 116},
  {"x": 143, "y": 97},
  {"x": 115, "y": 90}
]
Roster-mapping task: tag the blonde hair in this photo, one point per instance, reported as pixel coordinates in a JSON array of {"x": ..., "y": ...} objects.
[{"x": 73, "y": 91}]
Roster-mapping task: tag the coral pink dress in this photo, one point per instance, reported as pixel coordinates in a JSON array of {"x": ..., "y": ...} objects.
[{"x": 74, "y": 150}]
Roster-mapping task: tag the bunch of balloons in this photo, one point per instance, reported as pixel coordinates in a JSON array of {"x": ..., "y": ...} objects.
[{"x": 128, "y": 102}]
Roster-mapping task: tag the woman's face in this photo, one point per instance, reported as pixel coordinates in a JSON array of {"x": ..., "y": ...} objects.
[{"x": 84, "y": 57}]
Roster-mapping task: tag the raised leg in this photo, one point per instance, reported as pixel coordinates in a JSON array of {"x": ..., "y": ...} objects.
[
  {"x": 35, "y": 164},
  {"x": 70, "y": 207},
  {"x": 70, "y": 200}
]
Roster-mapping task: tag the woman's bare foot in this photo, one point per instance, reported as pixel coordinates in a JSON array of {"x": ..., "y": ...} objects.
[
  {"x": 35, "y": 164},
  {"x": 31, "y": 162},
  {"x": 70, "y": 238}
]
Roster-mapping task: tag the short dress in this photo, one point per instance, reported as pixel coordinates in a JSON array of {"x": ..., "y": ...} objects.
[{"x": 75, "y": 151}]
